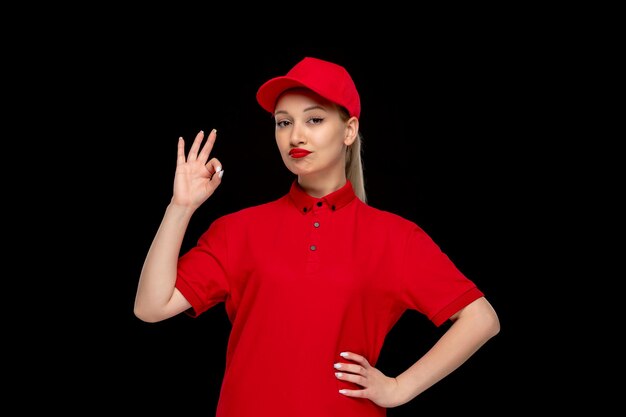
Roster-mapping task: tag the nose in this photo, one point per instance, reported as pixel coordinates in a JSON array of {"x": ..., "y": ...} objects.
[{"x": 298, "y": 135}]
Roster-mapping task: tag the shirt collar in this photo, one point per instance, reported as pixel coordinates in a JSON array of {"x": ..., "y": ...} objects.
[{"x": 335, "y": 200}]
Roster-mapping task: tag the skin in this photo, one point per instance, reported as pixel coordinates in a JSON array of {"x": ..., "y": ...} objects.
[{"x": 307, "y": 121}]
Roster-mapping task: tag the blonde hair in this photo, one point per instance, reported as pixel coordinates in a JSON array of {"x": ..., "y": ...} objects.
[
  {"x": 354, "y": 168},
  {"x": 354, "y": 162}
]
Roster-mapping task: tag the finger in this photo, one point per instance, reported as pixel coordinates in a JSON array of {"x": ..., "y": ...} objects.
[
  {"x": 195, "y": 147},
  {"x": 355, "y": 393},
  {"x": 356, "y": 358},
  {"x": 353, "y": 368},
  {"x": 214, "y": 166},
  {"x": 216, "y": 179},
  {"x": 357, "y": 379},
  {"x": 208, "y": 146},
  {"x": 180, "y": 157}
]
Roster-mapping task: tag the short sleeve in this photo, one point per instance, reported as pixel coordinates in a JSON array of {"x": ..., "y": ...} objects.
[
  {"x": 202, "y": 275},
  {"x": 431, "y": 282}
]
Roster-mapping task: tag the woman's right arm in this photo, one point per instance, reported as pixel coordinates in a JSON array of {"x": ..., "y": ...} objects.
[{"x": 196, "y": 179}]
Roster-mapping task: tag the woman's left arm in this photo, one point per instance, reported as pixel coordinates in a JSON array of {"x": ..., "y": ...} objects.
[{"x": 472, "y": 327}]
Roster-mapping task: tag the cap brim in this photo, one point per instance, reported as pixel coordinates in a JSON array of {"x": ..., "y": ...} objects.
[{"x": 268, "y": 93}]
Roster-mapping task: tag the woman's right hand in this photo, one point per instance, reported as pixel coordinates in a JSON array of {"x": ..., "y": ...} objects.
[{"x": 197, "y": 176}]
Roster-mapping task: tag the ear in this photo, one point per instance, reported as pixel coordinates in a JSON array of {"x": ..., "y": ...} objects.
[{"x": 352, "y": 130}]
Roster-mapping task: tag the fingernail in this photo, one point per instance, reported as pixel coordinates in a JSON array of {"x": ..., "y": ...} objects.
[
  {"x": 218, "y": 169},
  {"x": 343, "y": 391},
  {"x": 337, "y": 365},
  {"x": 221, "y": 173},
  {"x": 344, "y": 354},
  {"x": 338, "y": 374}
]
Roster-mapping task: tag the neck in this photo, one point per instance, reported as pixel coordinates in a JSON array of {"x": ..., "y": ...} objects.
[{"x": 319, "y": 187}]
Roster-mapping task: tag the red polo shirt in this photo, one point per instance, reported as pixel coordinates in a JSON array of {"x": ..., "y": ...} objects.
[{"x": 304, "y": 279}]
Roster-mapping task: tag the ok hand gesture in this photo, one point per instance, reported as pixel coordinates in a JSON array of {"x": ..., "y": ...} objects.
[{"x": 197, "y": 176}]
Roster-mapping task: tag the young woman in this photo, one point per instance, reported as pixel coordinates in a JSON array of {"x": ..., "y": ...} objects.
[{"x": 312, "y": 282}]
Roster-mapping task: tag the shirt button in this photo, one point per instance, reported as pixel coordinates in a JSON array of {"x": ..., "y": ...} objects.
[
  {"x": 304, "y": 209},
  {"x": 333, "y": 207},
  {"x": 316, "y": 224},
  {"x": 313, "y": 247},
  {"x": 319, "y": 204}
]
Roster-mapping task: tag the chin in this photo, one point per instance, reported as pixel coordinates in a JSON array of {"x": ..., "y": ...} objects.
[
  {"x": 297, "y": 172},
  {"x": 295, "y": 169}
]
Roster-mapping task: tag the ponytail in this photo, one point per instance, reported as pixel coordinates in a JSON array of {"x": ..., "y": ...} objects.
[{"x": 354, "y": 168}]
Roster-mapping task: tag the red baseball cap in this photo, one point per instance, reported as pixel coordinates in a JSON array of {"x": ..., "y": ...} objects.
[{"x": 327, "y": 79}]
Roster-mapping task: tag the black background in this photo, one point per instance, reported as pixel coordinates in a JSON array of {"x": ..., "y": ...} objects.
[{"x": 447, "y": 144}]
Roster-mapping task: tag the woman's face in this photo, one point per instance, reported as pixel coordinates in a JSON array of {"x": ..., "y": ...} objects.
[{"x": 311, "y": 134}]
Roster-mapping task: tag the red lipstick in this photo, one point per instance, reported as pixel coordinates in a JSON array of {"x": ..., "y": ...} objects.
[{"x": 298, "y": 153}]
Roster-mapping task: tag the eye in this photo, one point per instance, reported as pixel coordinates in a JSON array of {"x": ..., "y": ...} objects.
[
  {"x": 316, "y": 120},
  {"x": 282, "y": 123}
]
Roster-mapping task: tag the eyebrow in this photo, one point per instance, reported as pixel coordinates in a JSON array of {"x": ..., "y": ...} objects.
[{"x": 316, "y": 107}]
